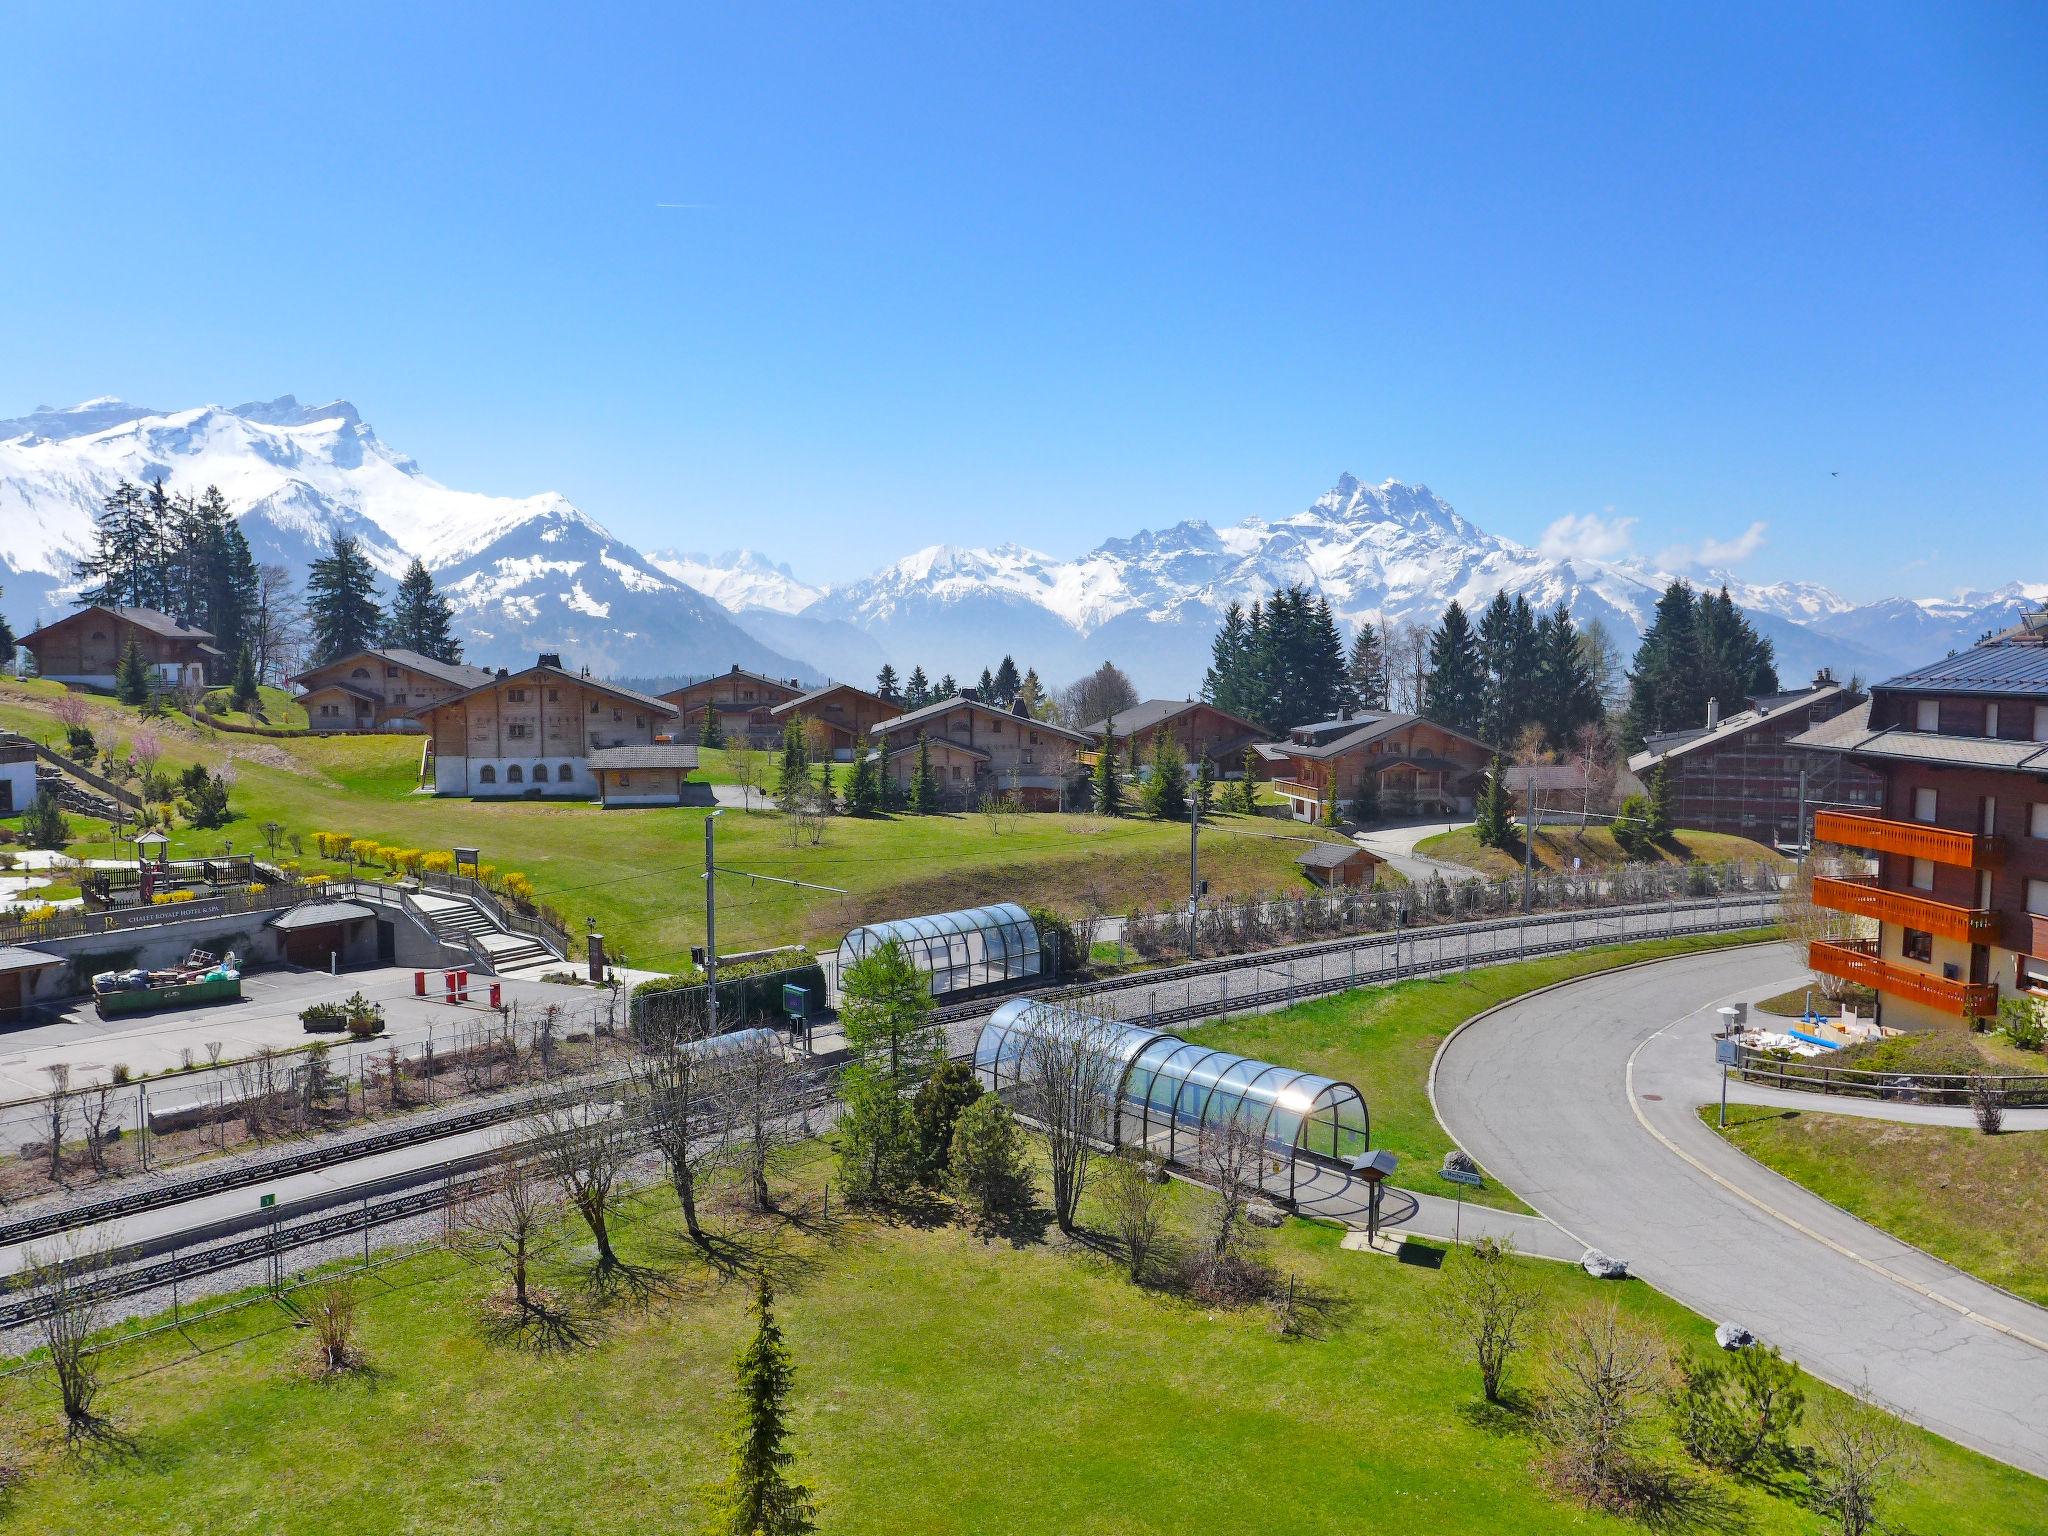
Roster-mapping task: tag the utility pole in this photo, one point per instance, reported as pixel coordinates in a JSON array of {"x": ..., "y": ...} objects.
[
  {"x": 1194, "y": 871},
  {"x": 1805, "y": 837},
  {"x": 711, "y": 922},
  {"x": 1529, "y": 848}
]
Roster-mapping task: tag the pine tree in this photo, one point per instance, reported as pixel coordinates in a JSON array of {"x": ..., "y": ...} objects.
[
  {"x": 1109, "y": 789},
  {"x": 1494, "y": 821},
  {"x": 917, "y": 692},
  {"x": 1662, "y": 807},
  {"x": 795, "y": 777},
  {"x": 116, "y": 573},
  {"x": 827, "y": 790},
  {"x": 231, "y": 579},
  {"x": 1248, "y": 784},
  {"x": 1455, "y": 694},
  {"x": 242, "y": 695},
  {"x": 1223, "y": 684},
  {"x": 863, "y": 784},
  {"x": 1031, "y": 694},
  {"x": 1366, "y": 671},
  {"x": 1566, "y": 696},
  {"x": 761, "y": 1499},
  {"x": 710, "y": 733},
  {"x": 1365, "y": 805},
  {"x": 160, "y": 551},
  {"x": 1698, "y": 647},
  {"x": 945, "y": 688},
  {"x": 341, "y": 601},
  {"x": 1508, "y": 648},
  {"x": 885, "y": 684},
  {"x": 421, "y": 619},
  {"x": 1166, "y": 791},
  {"x": 1205, "y": 784},
  {"x": 131, "y": 675},
  {"x": 1007, "y": 682},
  {"x": 924, "y": 784}
]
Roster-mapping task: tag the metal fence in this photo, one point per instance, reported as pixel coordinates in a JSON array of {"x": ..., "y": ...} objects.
[{"x": 1809, "y": 1074}]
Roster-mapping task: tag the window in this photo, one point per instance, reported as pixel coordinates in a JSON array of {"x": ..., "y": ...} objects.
[
  {"x": 1926, "y": 804},
  {"x": 360, "y": 672},
  {"x": 330, "y": 711},
  {"x": 398, "y": 698},
  {"x": 640, "y": 722},
  {"x": 1028, "y": 754},
  {"x": 617, "y": 717},
  {"x": 515, "y": 695},
  {"x": 1990, "y": 719},
  {"x": 1987, "y": 819},
  {"x": 487, "y": 775},
  {"x": 1034, "y": 738},
  {"x": 956, "y": 770},
  {"x": 554, "y": 695},
  {"x": 593, "y": 706},
  {"x": 391, "y": 671},
  {"x": 2041, "y": 722},
  {"x": 1915, "y": 945},
  {"x": 1927, "y": 715},
  {"x": 564, "y": 774},
  {"x": 995, "y": 727},
  {"x": 1923, "y": 874},
  {"x": 625, "y": 781},
  {"x": 540, "y": 773},
  {"x": 2037, "y": 819},
  {"x": 2037, "y": 897},
  {"x": 514, "y": 776},
  {"x": 517, "y": 730}
]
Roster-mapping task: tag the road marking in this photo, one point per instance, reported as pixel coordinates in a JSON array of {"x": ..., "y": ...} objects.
[{"x": 1799, "y": 1226}]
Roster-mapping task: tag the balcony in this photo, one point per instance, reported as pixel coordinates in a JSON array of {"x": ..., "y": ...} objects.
[
  {"x": 1911, "y": 839},
  {"x": 1866, "y": 898},
  {"x": 1860, "y": 963},
  {"x": 1295, "y": 789}
]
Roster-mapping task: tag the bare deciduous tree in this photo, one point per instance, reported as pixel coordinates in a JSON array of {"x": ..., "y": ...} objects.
[
  {"x": 1068, "y": 1076},
  {"x": 1861, "y": 1454},
  {"x": 678, "y": 1083},
  {"x": 1805, "y": 920},
  {"x": 1231, "y": 1155},
  {"x": 503, "y": 1220},
  {"x": 1133, "y": 1196},
  {"x": 97, "y": 1102},
  {"x": 586, "y": 1146},
  {"x": 333, "y": 1308},
  {"x": 759, "y": 1090},
  {"x": 1603, "y": 1374},
  {"x": 749, "y": 767},
  {"x": 1489, "y": 1302},
  {"x": 64, "y": 1280},
  {"x": 57, "y": 1115}
]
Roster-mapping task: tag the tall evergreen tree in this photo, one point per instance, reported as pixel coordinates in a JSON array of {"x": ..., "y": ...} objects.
[
  {"x": 864, "y": 783},
  {"x": 885, "y": 684},
  {"x": 924, "y": 784},
  {"x": 945, "y": 688},
  {"x": 131, "y": 675},
  {"x": 1565, "y": 696},
  {"x": 242, "y": 695},
  {"x": 1166, "y": 790},
  {"x": 162, "y": 557},
  {"x": 1109, "y": 789},
  {"x": 1031, "y": 692},
  {"x": 231, "y": 579},
  {"x": 1662, "y": 803},
  {"x": 795, "y": 775},
  {"x": 1006, "y": 682},
  {"x": 1205, "y": 784},
  {"x": 1366, "y": 670},
  {"x": 1223, "y": 684},
  {"x": 1698, "y": 647},
  {"x": 421, "y": 619},
  {"x": 1494, "y": 822},
  {"x": 761, "y": 1498},
  {"x": 918, "y": 691},
  {"x": 117, "y": 573},
  {"x": 341, "y": 601},
  {"x": 1455, "y": 694},
  {"x": 710, "y": 733}
]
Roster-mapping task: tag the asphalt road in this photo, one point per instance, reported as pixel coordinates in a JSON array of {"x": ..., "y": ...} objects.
[{"x": 1582, "y": 1100}]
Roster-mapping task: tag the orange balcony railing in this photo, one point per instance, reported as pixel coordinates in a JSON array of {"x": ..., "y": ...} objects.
[
  {"x": 1913, "y": 839},
  {"x": 1860, "y": 963},
  {"x": 1865, "y": 898}
]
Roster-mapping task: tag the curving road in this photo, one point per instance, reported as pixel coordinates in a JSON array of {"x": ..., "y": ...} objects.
[{"x": 1582, "y": 1100}]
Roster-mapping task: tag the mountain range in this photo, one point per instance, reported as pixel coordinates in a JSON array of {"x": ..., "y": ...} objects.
[{"x": 536, "y": 572}]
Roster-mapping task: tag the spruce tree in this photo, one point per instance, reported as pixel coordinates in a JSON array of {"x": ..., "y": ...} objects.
[
  {"x": 161, "y": 552},
  {"x": 761, "y": 1499},
  {"x": 1109, "y": 789},
  {"x": 864, "y": 783},
  {"x": 710, "y": 733},
  {"x": 232, "y": 583},
  {"x": 116, "y": 574},
  {"x": 1223, "y": 684},
  {"x": 1031, "y": 693},
  {"x": 1205, "y": 784},
  {"x": 885, "y": 684},
  {"x": 1166, "y": 791},
  {"x": 1007, "y": 682},
  {"x": 1455, "y": 694},
  {"x": 1494, "y": 821},
  {"x": 243, "y": 694},
  {"x": 1365, "y": 805},
  {"x": 421, "y": 619},
  {"x": 924, "y": 784},
  {"x": 1662, "y": 804},
  {"x": 795, "y": 776},
  {"x": 826, "y": 790},
  {"x": 1566, "y": 696},
  {"x": 945, "y": 688},
  {"x": 985, "y": 690},
  {"x": 1366, "y": 670},
  {"x": 1248, "y": 784},
  {"x": 341, "y": 601},
  {"x": 917, "y": 692},
  {"x": 131, "y": 676}
]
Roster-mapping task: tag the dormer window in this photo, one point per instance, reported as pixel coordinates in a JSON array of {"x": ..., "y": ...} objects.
[{"x": 1927, "y": 715}]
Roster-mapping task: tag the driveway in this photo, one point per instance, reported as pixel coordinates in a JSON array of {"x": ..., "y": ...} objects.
[
  {"x": 1396, "y": 844},
  {"x": 1582, "y": 1100}
]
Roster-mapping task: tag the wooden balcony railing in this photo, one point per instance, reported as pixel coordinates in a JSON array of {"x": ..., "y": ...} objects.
[
  {"x": 1913, "y": 839},
  {"x": 1860, "y": 963},
  {"x": 1866, "y": 898},
  {"x": 1297, "y": 789}
]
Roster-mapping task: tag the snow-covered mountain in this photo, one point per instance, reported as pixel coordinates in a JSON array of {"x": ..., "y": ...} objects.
[
  {"x": 533, "y": 573},
  {"x": 525, "y": 573}
]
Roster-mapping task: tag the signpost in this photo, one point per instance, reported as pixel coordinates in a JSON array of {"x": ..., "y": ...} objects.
[
  {"x": 796, "y": 1006},
  {"x": 1728, "y": 1051},
  {"x": 1464, "y": 1178}
]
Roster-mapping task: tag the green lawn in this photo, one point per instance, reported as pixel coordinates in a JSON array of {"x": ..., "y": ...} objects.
[
  {"x": 275, "y": 708},
  {"x": 638, "y": 874},
  {"x": 1980, "y": 1202},
  {"x": 1382, "y": 1040},
  {"x": 1594, "y": 847},
  {"x": 943, "y": 1384}
]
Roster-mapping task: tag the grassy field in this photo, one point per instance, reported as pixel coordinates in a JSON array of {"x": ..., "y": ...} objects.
[
  {"x": 1594, "y": 847},
  {"x": 1793, "y": 1004},
  {"x": 275, "y": 707},
  {"x": 1381, "y": 1040},
  {"x": 944, "y": 1383},
  {"x": 1980, "y": 1202},
  {"x": 637, "y": 874}
]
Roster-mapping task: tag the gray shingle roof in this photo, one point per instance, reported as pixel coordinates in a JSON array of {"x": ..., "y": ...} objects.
[
  {"x": 943, "y": 706},
  {"x": 1369, "y": 729},
  {"x": 661, "y": 754},
  {"x": 2000, "y": 666},
  {"x": 1670, "y": 744},
  {"x": 316, "y": 914},
  {"x": 151, "y": 619},
  {"x": 1151, "y": 712},
  {"x": 647, "y": 700},
  {"x": 1850, "y": 732},
  {"x": 1331, "y": 855}
]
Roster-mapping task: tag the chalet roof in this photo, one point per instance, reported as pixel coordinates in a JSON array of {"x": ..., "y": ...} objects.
[
  {"x": 939, "y": 741},
  {"x": 1153, "y": 712},
  {"x": 815, "y": 694},
  {"x": 1850, "y": 732},
  {"x": 943, "y": 707},
  {"x": 333, "y": 686},
  {"x": 1366, "y": 728},
  {"x": 661, "y": 754},
  {"x": 154, "y": 620},
  {"x": 1521, "y": 776},
  {"x": 632, "y": 695},
  {"x": 14, "y": 957},
  {"x": 1767, "y": 709},
  {"x": 317, "y": 914},
  {"x": 1332, "y": 855},
  {"x": 1426, "y": 760},
  {"x": 458, "y": 673},
  {"x": 1999, "y": 666},
  {"x": 784, "y": 684}
]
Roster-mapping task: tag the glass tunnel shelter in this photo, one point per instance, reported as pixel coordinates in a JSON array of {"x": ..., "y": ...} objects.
[
  {"x": 1161, "y": 1092},
  {"x": 960, "y": 951}
]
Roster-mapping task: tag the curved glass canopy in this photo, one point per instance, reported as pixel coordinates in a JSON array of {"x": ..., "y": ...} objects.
[
  {"x": 977, "y": 947},
  {"x": 1161, "y": 1092}
]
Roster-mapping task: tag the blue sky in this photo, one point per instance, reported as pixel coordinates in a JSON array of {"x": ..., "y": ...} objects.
[{"x": 955, "y": 272}]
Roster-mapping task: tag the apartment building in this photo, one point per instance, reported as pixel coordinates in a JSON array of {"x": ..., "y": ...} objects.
[
  {"x": 978, "y": 748},
  {"x": 1419, "y": 767},
  {"x": 386, "y": 689},
  {"x": 744, "y": 703},
  {"x": 1200, "y": 729},
  {"x": 1958, "y": 886},
  {"x": 838, "y": 717}
]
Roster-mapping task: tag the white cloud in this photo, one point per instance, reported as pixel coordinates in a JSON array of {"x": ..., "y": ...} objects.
[
  {"x": 1711, "y": 553},
  {"x": 1588, "y": 536}
]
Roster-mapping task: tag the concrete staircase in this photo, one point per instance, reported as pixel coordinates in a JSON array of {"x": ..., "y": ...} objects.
[{"x": 458, "y": 920}]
